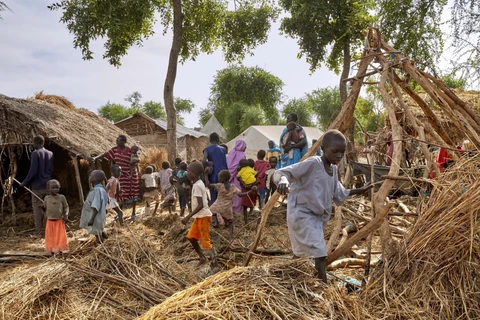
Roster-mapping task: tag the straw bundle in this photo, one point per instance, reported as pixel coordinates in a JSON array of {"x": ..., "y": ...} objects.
[
  {"x": 153, "y": 156},
  {"x": 436, "y": 272},
  {"x": 55, "y": 100},
  {"x": 281, "y": 291}
]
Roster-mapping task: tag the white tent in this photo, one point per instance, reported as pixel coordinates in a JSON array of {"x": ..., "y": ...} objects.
[
  {"x": 257, "y": 138},
  {"x": 213, "y": 125}
]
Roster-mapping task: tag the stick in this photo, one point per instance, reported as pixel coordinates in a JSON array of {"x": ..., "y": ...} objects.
[
  {"x": 29, "y": 191},
  {"x": 336, "y": 230},
  {"x": 410, "y": 179}
]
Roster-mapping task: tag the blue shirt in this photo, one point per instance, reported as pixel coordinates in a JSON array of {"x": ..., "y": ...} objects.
[{"x": 41, "y": 168}]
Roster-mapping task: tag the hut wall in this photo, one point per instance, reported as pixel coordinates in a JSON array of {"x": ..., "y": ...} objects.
[{"x": 195, "y": 147}]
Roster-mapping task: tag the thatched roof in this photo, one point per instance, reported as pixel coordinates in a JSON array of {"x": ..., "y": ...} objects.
[{"x": 79, "y": 131}]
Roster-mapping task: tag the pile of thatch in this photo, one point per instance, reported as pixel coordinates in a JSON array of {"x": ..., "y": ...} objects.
[{"x": 276, "y": 291}]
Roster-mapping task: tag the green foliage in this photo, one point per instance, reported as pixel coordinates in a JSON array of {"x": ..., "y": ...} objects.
[
  {"x": 326, "y": 104},
  {"x": 204, "y": 115},
  {"x": 303, "y": 107},
  {"x": 324, "y": 27},
  {"x": 368, "y": 116},
  {"x": 207, "y": 25},
  {"x": 466, "y": 39},
  {"x": 453, "y": 82},
  {"x": 413, "y": 27},
  {"x": 155, "y": 110},
  {"x": 235, "y": 93}
]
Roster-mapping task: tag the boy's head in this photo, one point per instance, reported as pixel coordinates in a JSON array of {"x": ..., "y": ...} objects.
[
  {"x": 333, "y": 146},
  {"x": 165, "y": 165},
  {"x": 134, "y": 148},
  {"x": 214, "y": 138},
  {"x": 194, "y": 170},
  {"x": 53, "y": 186},
  {"x": 292, "y": 117},
  {"x": 224, "y": 146},
  {"x": 38, "y": 141},
  {"x": 223, "y": 176},
  {"x": 177, "y": 162},
  {"x": 96, "y": 177},
  {"x": 149, "y": 170},
  {"x": 121, "y": 140},
  {"x": 183, "y": 166},
  {"x": 243, "y": 163},
  {"x": 273, "y": 162},
  {"x": 251, "y": 163},
  {"x": 271, "y": 144},
  {"x": 261, "y": 154},
  {"x": 116, "y": 170},
  {"x": 291, "y": 126}
]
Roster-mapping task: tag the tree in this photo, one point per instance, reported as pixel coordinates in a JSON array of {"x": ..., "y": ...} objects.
[
  {"x": 197, "y": 26},
  {"x": 242, "y": 96},
  {"x": 369, "y": 117},
  {"x": 466, "y": 39},
  {"x": 303, "y": 108},
  {"x": 326, "y": 104},
  {"x": 413, "y": 27},
  {"x": 453, "y": 82},
  {"x": 328, "y": 31},
  {"x": 116, "y": 112},
  {"x": 3, "y": 7}
]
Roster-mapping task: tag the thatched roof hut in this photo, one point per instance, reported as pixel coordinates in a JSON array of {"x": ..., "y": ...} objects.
[{"x": 71, "y": 134}]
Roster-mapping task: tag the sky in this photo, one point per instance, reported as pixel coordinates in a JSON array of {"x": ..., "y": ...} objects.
[{"x": 37, "y": 54}]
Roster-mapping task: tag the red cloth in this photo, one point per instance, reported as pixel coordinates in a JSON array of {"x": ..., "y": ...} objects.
[
  {"x": 250, "y": 199},
  {"x": 261, "y": 166},
  {"x": 55, "y": 236},
  {"x": 440, "y": 160}
]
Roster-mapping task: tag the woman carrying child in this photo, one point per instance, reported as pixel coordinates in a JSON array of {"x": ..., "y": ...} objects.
[{"x": 56, "y": 214}]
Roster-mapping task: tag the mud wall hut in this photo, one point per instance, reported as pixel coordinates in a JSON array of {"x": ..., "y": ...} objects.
[
  {"x": 73, "y": 135},
  {"x": 152, "y": 133}
]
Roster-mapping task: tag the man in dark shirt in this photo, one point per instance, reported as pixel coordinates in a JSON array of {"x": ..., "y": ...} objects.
[{"x": 41, "y": 167}]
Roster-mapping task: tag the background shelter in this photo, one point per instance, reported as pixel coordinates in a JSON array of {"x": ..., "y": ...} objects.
[
  {"x": 257, "y": 138},
  {"x": 152, "y": 133},
  {"x": 71, "y": 134},
  {"x": 213, "y": 125}
]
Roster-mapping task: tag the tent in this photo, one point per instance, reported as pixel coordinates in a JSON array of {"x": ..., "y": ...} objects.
[
  {"x": 257, "y": 138},
  {"x": 213, "y": 125}
]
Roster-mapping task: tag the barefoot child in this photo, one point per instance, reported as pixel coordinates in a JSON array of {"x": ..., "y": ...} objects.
[
  {"x": 113, "y": 191},
  {"x": 314, "y": 187},
  {"x": 269, "y": 185},
  {"x": 261, "y": 166},
  {"x": 56, "y": 214},
  {"x": 182, "y": 182},
  {"x": 200, "y": 229},
  {"x": 94, "y": 213},
  {"x": 222, "y": 207},
  {"x": 247, "y": 178},
  {"x": 150, "y": 187}
]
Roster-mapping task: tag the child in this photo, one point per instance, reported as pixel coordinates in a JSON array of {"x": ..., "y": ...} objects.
[
  {"x": 113, "y": 191},
  {"x": 182, "y": 188},
  {"x": 319, "y": 151},
  {"x": 222, "y": 207},
  {"x": 292, "y": 137},
  {"x": 164, "y": 177},
  {"x": 134, "y": 159},
  {"x": 261, "y": 166},
  {"x": 56, "y": 214},
  {"x": 269, "y": 185},
  {"x": 200, "y": 229},
  {"x": 94, "y": 212},
  {"x": 247, "y": 178},
  {"x": 170, "y": 193},
  {"x": 273, "y": 151},
  {"x": 150, "y": 187},
  {"x": 314, "y": 186}
]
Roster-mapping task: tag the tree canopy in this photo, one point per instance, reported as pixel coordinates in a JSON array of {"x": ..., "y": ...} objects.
[
  {"x": 242, "y": 96},
  {"x": 116, "y": 112},
  {"x": 3, "y": 7}
]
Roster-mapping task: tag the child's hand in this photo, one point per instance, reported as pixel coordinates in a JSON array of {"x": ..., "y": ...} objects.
[
  {"x": 254, "y": 189},
  {"x": 283, "y": 186},
  {"x": 366, "y": 187},
  {"x": 185, "y": 220},
  {"x": 65, "y": 219}
]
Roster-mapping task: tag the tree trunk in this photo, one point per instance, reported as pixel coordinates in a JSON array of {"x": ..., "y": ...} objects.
[
  {"x": 347, "y": 59},
  {"x": 170, "y": 81}
]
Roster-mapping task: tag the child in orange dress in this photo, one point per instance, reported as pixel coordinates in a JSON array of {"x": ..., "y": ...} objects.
[{"x": 56, "y": 214}]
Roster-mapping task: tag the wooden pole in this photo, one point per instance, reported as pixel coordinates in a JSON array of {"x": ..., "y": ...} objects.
[
  {"x": 75, "y": 161},
  {"x": 13, "y": 173},
  {"x": 336, "y": 229}
]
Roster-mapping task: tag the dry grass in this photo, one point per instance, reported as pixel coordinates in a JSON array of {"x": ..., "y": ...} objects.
[
  {"x": 153, "y": 156},
  {"x": 56, "y": 100}
]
